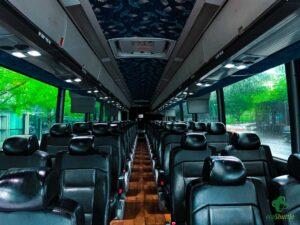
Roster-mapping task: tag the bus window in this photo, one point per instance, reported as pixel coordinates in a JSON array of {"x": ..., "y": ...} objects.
[
  {"x": 186, "y": 115},
  {"x": 27, "y": 106},
  {"x": 70, "y": 117},
  {"x": 212, "y": 115},
  {"x": 177, "y": 112},
  {"x": 96, "y": 113},
  {"x": 260, "y": 104}
]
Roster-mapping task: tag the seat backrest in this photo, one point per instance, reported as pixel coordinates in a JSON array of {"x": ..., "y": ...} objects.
[
  {"x": 217, "y": 136},
  {"x": 22, "y": 152},
  {"x": 186, "y": 164},
  {"x": 29, "y": 196},
  {"x": 226, "y": 196},
  {"x": 170, "y": 141},
  {"x": 110, "y": 142},
  {"x": 257, "y": 158},
  {"x": 199, "y": 127},
  {"x": 82, "y": 129},
  {"x": 57, "y": 139},
  {"x": 286, "y": 191},
  {"x": 85, "y": 178}
]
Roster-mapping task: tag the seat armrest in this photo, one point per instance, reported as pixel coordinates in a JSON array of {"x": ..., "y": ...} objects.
[
  {"x": 71, "y": 208},
  {"x": 121, "y": 185},
  {"x": 161, "y": 180}
]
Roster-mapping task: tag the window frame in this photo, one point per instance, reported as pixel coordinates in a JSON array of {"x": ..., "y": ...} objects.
[{"x": 292, "y": 70}]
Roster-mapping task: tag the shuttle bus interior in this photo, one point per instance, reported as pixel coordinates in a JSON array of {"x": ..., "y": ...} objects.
[{"x": 150, "y": 112}]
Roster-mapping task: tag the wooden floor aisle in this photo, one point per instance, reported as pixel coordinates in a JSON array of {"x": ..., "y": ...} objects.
[{"x": 142, "y": 199}]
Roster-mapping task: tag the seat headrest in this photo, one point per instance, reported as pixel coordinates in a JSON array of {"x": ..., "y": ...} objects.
[
  {"x": 61, "y": 130},
  {"x": 200, "y": 127},
  {"x": 101, "y": 129},
  {"x": 179, "y": 128},
  {"x": 82, "y": 145},
  {"x": 224, "y": 170},
  {"x": 294, "y": 165},
  {"x": 245, "y": 141},
  {"x": 168, "y": 126},
  {"x": 115, "y": 128},
  {"x": 216, "y": 128},
  {"x": 191, "y": 125},
  {"x": 193, "y": 141},
  {"x": 25, "y": 189},
  {"x": 80, "y": 128},
  {"x": 20, "y": 145}
]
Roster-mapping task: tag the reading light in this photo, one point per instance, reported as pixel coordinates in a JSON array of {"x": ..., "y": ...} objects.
[
  {"x": 96, "y": 91},
  {"x": 241, "y": 67},
  {"x": 191, "y": 93},
  {"x": 206, "y": 85},
  {"x": 105, "y": 97},
  {"x": 199, "y": 84},
  {"x": 229, "y": 66},
  {"x": 34, "y": 53},
  {"x": 89, "y": 92},
  {"x": 68, "y": 80},
  {"x": 77, "y": 80},
  {"x": 185, "y": 93},
  {"x": 18, "y": 54}
]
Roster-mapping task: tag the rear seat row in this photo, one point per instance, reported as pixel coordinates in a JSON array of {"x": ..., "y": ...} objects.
[
  {"x": 181, "y": 155},
  {"x": 82, "y": 180}
]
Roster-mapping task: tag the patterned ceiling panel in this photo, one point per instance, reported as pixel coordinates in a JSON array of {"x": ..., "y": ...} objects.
[{"x": 142, "y": 18}]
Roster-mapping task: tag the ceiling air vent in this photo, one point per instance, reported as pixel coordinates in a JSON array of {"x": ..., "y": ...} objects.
[{"x": 138, "y": 47}]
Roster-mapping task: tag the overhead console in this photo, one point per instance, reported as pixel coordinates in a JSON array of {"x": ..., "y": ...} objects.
[
  {"x": 63, "y": 50},
  {"x": 248, "y": 45}
]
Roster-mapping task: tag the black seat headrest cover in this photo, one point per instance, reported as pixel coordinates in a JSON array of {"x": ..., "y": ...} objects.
[
  {"x": 199, "y": 126},
  {"x": 115, "y": 128},
  {"x": 168, "y": 126},
  {"x": 193, "y": 141},
  {"x": 25, "y": 189},
  {"x": 101, "y": 129},
  {"x": 294, "y": 165},
  {"x": 191, "y": 125},
  {"x": 81, "y": 127},
  {"x": 179, "y": 128},
  {"x": 60, "y": 130},
  {"x": 245, "y": 141},
  {"x": 20, "y": 145},
  {"x": 83, "y": 145},
  {"x": 224, "y": 170},
  {"x": 216, "y": 128}
]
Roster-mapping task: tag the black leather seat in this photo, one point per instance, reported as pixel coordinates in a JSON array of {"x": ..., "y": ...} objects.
[
  {"x": 82, "y": 129},
  {"x": 186, "y": 164},
  {"x": 57, "y": 139},
  {"x": 161, "y": 130},
  {"x": 22, "y": 152},
  {"x": 110, "y": 142},
  {"x": 85, "y": 178},
  {"x": 226, "y": 196},
  {"x": 217, "y": 136},
  {"x": 257, "y": 158},
  {"x": 169, "y": 140},
  {"x": 28, "y": 197},
  {"x": 286, "y": 192},
  {"x": 199, "y": 127}
]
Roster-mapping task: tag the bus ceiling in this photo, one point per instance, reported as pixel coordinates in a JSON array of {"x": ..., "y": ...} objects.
[{"x": 146, "y": 53}]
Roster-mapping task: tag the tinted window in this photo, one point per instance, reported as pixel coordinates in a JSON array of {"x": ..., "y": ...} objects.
[
  {"x": 212, "y": 115},
  {"x": 70, "y": 117},
  {"x": 186, "y": 115},
  {"x": 259, "y": 104},
  {"x": 27, "y": 106}
]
